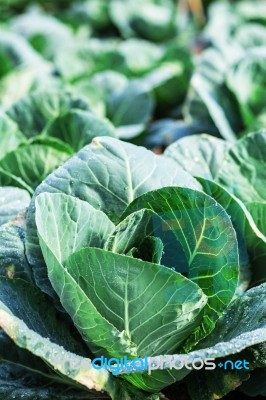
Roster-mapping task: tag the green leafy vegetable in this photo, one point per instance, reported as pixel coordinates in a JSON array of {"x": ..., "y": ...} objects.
[{"x": 114, "y": 258}]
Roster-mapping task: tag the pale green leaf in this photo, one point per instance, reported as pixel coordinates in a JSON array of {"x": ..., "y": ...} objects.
[
  {"x": 13, "y": 201},
  {"x": 10, "y": 135},
  {"x": 243, "y": 172},
  {"x": 66, "y": 224},
  {"x": 200, "y": 155},
  {"x": 131, "y": 109}
]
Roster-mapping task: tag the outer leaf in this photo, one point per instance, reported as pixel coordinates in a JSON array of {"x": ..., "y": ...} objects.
[
  {"x": 134, "y": 171},
  {"x": 243, "y": 171},
  {"x": 200, "y": 155},
  {"x": 241, "y": 326},
  {"x": 13, "y": 262},
  {"x": 21, "y": 361},
  {"x": 10, "y": 178},
  {"x": 258, "y": 212},
  {"x": 16, "y": 384},
  {"x": 10, "y": 135},
  {"x": 43, "y": 334},
  {"x": 18, "y": 296},
  {"x": 55, "y": 143},
  {"x": 66, "y": 224},
  {"x": 217, "y": 384},
  {"x": 13, "y": 201},
  {"x": 31, "y": 162},
  {"x": 78, "y": 128},
  {"x": 248, "y": 235},
  {"x": 207, "y": 246},
  {"x": 69, "y": 364}
]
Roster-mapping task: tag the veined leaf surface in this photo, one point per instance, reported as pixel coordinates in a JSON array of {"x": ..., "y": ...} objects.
[
  {"x": 67, "y": 224},
  {"x": 108, "y": 174},
  {"x": 206, "y": 239}
]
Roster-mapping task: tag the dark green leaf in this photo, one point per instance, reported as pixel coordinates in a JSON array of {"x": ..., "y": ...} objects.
[
  {"x": 31, "y": 163},
  {"x": 132, "y": 285},
  {"x": 256, "y": 385},
  {"x": 13, "y": 262},
  {"x": 78, "y": 128},
  {"x": 145, "y": 235},
  {"x": 242, "y": 326},
  {"x": 33, "y": 112},
  {"x": 207, "y": 244},
  {"x": 29, "y": 304},
  {"x": 258, "y": 212},
  {"x": 249, "y": 237},
  {"x": 15, "y": 51}
]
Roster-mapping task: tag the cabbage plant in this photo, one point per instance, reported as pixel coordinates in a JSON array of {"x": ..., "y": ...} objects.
[
  {"x": 124, "y": 253},
  {"x": 41, "y": 131}
]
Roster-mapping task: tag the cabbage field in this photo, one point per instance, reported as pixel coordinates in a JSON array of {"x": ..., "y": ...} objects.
[{"x": 132, "y": 199}]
